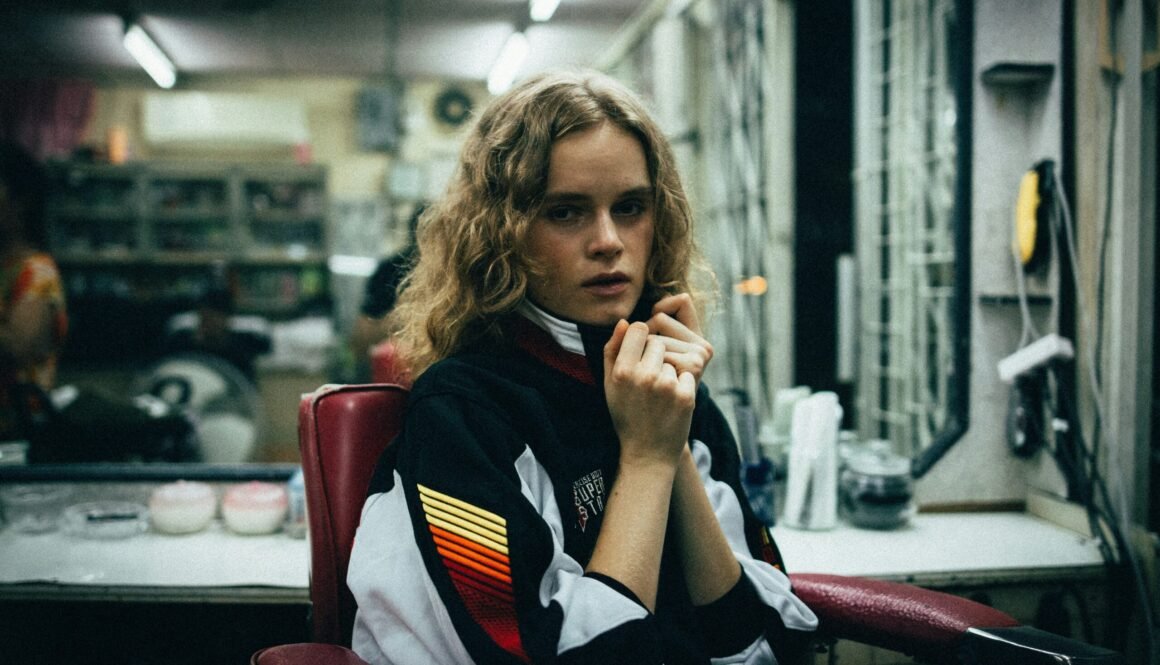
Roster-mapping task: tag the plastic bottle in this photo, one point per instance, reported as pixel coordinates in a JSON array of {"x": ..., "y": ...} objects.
[{"x": 296, "y": 516}]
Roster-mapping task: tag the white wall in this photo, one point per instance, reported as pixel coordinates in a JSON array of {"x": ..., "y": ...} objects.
[{"x": 1014, "y": 127}]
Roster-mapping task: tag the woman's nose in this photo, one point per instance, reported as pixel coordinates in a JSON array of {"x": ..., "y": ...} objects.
[{"x": 606, "y": 236}]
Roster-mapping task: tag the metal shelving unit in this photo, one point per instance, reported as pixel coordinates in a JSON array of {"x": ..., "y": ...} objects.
[{"x": 151, "y": 238}]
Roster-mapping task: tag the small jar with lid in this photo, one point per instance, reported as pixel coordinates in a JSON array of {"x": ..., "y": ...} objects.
[{"x": 876, "y": 489}]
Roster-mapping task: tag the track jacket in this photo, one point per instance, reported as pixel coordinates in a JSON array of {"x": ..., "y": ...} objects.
[{"x": 484, "y": 512}]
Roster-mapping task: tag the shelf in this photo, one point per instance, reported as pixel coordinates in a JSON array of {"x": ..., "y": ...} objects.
[
  {"x": 274, "y": 258},
  {"x": 108, "y": 258},
  {"x": 285, "y": 217},
  {"x": 190, "y": 257},
  {"x": 193, "y": 215},
  {"x": 103, "y": 213},
  {"x": 1018, "y": 73},
  {"x": 134, "y": 229}
]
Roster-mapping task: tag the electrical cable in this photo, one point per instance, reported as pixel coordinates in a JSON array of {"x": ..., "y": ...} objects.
[
  {"x": 1105, "y": 520},
  {"x": 1105, "y": 233},
  {"x": 1029, "y": 330}
]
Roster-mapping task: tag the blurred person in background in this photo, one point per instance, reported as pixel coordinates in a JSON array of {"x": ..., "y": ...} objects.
[
  {"x": 214, "y": 328},
  {"x": 33, "y": 317}
]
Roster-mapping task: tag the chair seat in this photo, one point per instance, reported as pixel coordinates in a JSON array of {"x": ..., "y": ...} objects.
[{"x": 312, "y": 653}]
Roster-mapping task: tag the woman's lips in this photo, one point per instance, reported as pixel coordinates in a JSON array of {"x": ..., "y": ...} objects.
[{"x": 607, "y": 285}]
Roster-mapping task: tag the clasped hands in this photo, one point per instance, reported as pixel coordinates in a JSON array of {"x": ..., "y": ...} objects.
[{"x": 651, "y": 373}]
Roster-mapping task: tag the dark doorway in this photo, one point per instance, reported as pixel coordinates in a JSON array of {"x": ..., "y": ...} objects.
[{"x": 823, "y": 149}]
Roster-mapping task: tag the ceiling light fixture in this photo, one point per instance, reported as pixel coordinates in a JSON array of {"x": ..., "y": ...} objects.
[
  {"x": 510, "y": 59},
  {"x": 542, "y": 10},
  {"x": 150, "y": 56}
]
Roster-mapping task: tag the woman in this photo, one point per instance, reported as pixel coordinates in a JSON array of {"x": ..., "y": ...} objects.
[
  {"x": 33, "y": 321},
  {"x": 564, "y": 489}
]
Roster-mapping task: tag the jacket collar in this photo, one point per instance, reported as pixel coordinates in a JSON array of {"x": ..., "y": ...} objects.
[{"x": 577, "y": 349}]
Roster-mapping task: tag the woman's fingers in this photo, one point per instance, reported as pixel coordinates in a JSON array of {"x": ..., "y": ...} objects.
[
  {"x": 681, "y": 308},
  {"x": 653, "y": 358},
  {"x": 675, "y": 319},
  {"x": 687, "y": 386},
  {"x": 625, "y": 347},
  {"x": 686, "y": 356},
  {"x": 612, "y": 347}
]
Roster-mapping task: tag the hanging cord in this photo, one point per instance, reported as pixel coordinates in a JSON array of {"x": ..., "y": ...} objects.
[
  {"x": 1105, "y": 234},
  {"x": 1084, "y": 461},
  {"x": 1030, "y": 332}
]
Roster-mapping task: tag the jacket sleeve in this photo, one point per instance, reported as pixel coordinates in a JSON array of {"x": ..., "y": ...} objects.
[
  {"x": 760, "y": 615},
  {"x": 459, "y": 555}
]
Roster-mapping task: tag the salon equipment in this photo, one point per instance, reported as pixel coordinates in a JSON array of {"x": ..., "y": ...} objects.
[
  {"x": 344, "y": 429},
  {"x": 72, "y": 424},
  {"x": 223, "y": 404}
]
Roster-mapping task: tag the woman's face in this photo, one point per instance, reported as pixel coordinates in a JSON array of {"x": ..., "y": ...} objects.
[{"x": 593, "y": 236}]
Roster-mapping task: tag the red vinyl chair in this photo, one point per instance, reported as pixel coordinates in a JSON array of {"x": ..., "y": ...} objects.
[{"x": 344, "y": 429}]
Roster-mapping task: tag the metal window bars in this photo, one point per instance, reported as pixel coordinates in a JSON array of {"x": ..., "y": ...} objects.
[
  {"x": 904, "y": 178},
  {"x": 743, "y": 235}
]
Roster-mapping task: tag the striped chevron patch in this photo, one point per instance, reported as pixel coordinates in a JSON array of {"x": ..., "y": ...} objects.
[
  {"x": 474, "y": 547},
  {"x": 769, "y": 551}
]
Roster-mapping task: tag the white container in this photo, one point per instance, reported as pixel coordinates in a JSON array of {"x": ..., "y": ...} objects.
[
  {"x": 811, "y": 498},
  {"x": 34, "y": 508},
  {"x": 105, "y": 520},
  {"x": 182, "y": 507},
  {"x": 255, "y": 508}
]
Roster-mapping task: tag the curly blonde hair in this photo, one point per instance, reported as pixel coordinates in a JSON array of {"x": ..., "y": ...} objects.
[{"x": 473, "y": 268}]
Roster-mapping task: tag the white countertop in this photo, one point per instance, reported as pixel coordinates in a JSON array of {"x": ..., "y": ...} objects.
[
  {"x": 934, "y": 549},
  {"x": 214, "y": 557},
  {"x": 943, "y": 547}
]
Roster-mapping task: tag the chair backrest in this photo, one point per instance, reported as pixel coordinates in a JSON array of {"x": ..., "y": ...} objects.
[{"x": 342, "y": 432}]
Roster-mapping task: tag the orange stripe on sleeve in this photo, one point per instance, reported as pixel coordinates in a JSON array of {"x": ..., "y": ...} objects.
[
  {"x": 483, "y": 570},
  {"x": 482, "y": 582},
  {"x": 468, "y": 545}
]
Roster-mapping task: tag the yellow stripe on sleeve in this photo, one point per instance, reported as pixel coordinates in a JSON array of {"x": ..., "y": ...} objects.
[
  {"x": 429, "y": 493},
  {"x": 470, "y": 535},
  {"x": 472, "y": 526}
]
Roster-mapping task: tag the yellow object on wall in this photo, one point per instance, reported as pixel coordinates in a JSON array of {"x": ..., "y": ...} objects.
[{"x": 1027, "y": 217}]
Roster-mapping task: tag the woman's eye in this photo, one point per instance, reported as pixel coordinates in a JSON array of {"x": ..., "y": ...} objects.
[
  {"x": 562, "y": 213},
  {"x": 628, "y": 208}
]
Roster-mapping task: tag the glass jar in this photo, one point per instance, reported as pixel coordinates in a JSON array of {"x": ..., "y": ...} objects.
[
  {"x": 34, "y": 508},
  {"x": 875, "y": 488}
]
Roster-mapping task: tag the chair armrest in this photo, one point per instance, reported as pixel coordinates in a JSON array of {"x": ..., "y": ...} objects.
[
  {"x": 895, "y": 616},
  {"x": 306, "y": 654},
  {"x": 933, "y": 626}
]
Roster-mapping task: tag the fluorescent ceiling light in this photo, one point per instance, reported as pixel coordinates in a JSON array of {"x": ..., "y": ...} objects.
[
  {"x": 542, "y": 10},
  {"x": 510, "y": 59},
  {"x": 150, "y": 56}
]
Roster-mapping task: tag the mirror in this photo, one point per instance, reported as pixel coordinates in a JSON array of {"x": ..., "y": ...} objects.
[
  {"x": 913, "y": 187},
  {"x": 156, "y": 208},
  {"x": 911, "y": 120},
  {"x": 925, "y": 411}
]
